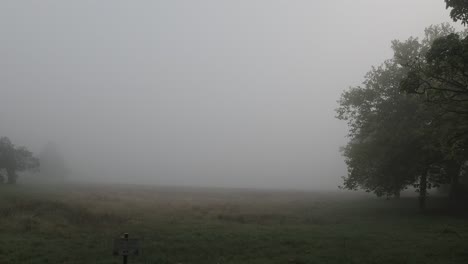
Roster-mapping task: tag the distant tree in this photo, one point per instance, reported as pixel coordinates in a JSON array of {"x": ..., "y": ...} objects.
[
  {"x": 53, "y": 165},
  {"x": 459, "y": 10},
  {"x": 2, "y": 177},
  {"x": 15, "y": 159}
]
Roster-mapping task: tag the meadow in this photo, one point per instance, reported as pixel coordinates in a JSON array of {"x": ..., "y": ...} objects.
[{"x": 76, "y": 224}]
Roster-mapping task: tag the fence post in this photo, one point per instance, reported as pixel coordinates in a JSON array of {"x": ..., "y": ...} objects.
[{"x": 125, "y": 257}]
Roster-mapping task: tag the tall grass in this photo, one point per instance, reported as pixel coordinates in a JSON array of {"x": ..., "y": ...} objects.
[{"x": 76, "y": 224}]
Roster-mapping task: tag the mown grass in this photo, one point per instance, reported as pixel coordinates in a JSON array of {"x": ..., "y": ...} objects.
[{"x": 77, "y": 224}]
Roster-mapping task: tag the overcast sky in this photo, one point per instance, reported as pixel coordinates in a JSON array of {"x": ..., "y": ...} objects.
[{"x": 207, "y": 92}]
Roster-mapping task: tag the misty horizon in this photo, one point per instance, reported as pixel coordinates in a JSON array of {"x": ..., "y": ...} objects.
[{"x": 229, "y": 94}]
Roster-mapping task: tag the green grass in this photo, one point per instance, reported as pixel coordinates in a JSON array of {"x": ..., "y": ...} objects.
[{"x": 77, "y": 224}]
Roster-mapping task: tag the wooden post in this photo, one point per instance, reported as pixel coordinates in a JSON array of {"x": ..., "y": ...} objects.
[
  {"x": 125, "y": 257},
  {"x": 125, "y": 246}
]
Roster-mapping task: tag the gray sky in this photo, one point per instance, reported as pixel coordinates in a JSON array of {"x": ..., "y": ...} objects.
[{"x": 207, "y": 92}]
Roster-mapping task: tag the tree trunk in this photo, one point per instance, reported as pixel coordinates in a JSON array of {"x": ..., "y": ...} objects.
[
  {"x": 453, "y": 170},
  {"x": 11, "y": 176},
  {"x": 396, "y": 186},
  {"x": 423, "y": 190},
  {"x": 454, "y": 187}
]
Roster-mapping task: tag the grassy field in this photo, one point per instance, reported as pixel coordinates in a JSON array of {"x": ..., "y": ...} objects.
[{"x": 77, "y": 224}]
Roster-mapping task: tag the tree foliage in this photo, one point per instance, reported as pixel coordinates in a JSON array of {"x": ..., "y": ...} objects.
[
  {"x": 459, "y": 10},
  {"x": 15, "y": 159},
  {"x": 391, "y": 135},
  {"x": 440, "y": 78},
  {"x": 442, "y": 74},
  {"x": 398, "y": 138}
]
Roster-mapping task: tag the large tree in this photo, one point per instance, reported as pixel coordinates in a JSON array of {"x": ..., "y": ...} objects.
[
  {"x": 15, "y": 159},
  {"x": 391, "y": 137},
  {"x": 394, "y": 136},
  {"x": 439, "y": 76}
]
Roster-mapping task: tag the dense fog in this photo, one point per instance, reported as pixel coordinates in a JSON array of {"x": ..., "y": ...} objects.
[{"x": 205, "y": 93}]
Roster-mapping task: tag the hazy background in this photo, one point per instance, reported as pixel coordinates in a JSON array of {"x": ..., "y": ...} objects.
[{"x": 208, "y": 93}]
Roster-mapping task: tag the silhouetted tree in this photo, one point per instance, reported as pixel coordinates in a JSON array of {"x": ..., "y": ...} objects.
[
  {"x": 395, "y": 137},
  {"x": 439, "y": 76},
  {"x": 15, "y": 159},
  {"x": 392, "y": 140}
]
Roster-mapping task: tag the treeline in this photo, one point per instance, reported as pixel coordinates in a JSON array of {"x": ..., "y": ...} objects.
[{"x": 409, "y": 120}]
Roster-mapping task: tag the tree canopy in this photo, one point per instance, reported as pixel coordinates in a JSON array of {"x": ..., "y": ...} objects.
[
  {"x": 15, "y": 159},
  {"x": 459, "y": 10},
  {"x": 404, "y": 121}
]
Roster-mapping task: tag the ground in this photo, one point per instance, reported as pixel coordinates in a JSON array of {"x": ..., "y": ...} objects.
[{"x": 77, "y": 223}]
